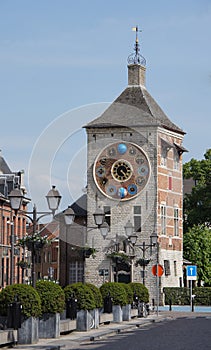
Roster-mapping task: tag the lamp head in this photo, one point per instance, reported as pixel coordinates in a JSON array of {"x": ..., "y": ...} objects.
[
  {"x": 69, "y": 216},
  {"x": 129, "y": 229},
  {"x": 154, "y": 238},
  {"x": 53, "y": 199},
  {"x": 16, "y": 197},
  {"x": 104, "y": 228},
  {"x": 99, "y": 216}
]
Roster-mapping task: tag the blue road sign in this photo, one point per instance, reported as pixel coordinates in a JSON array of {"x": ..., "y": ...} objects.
[{"x": 191, "y": 272}]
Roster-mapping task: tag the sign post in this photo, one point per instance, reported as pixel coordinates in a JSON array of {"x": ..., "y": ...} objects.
[
  {"x": 157, "y": 270},
  {"x": 191, "y": 274}
]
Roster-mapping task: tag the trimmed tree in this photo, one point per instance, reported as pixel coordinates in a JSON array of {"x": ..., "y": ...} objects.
[
  {"x": 129, "y": 292},
  {"x": 83, "y": 294},
  {"x": 97, "y": 295},
  {"x": 27, "y": 296},
  {"x": 140, "y": 290},
  {"x": 116, "y": 291},
  {"x": 52, "y": 297}
]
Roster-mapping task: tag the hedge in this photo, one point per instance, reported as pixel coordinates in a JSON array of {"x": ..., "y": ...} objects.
[{"x": 181, "y": 296}]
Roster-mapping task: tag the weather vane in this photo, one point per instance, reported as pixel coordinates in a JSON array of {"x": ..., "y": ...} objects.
[{"x": 136, "y": 57}]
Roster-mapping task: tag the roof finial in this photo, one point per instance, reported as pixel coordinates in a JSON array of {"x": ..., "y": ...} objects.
[{"x": 136, "y": 57}]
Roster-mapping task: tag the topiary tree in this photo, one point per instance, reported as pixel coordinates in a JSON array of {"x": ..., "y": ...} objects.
[
  {"x": 27, "y": 296},
  {"x": 140, "y": 290},
  {"x": 82, "y": 293},
  {"x": 129, "y": 292},
  {"x": 116, "y": 291},
  {"x": 97, "y": 295},
  {"x": 52, "y": 297}
]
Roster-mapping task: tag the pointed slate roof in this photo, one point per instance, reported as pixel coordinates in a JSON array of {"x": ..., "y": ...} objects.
[
  {"x": 132, "y": 108},
  {"x": 4, "y": 168}
]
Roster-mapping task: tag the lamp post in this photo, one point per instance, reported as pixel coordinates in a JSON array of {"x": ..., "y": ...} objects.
[
  {"x": 155, "y": 242},
  {"x": 53, "y": 199},
  {"x": 132, "y": 237},
  {"x": 12, "y": 252},
  {"x": 69, "y": 218}
]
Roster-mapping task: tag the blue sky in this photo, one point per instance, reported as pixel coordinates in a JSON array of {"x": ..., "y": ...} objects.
[{"x": 61, "y": 62}]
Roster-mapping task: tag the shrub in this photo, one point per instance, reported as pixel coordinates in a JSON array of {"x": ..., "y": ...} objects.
[
  {"x": 116, "y": 291},
  {"x": 203, "y": 295},
  {"x": 140, "y": 290},
  {"x": 129, "y": 292},
  {"x": 177, "y": 295},
  {"x": 52, "y": 297},
  {"x": 181, "y": 296},
  {"x": 83, "y": 294},
  {"x": 97, "y": 295},
  {"x": 27, "y": 296}
]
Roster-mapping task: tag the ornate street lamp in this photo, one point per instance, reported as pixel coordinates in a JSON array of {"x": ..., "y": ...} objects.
[
  {"x": 132, "y": 238},
  {"x": 99, "y": 215},
  {"x": 53, "y": 199}
]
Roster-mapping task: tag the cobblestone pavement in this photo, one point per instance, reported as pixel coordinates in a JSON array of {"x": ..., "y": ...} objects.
[{"x": 74, "y": 339}]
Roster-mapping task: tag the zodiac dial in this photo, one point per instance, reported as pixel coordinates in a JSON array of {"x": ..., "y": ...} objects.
[{"x": 121, "y": 170}]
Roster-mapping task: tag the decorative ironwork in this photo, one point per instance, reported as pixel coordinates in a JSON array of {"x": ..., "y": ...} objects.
[{"x": 136, "y": 57}]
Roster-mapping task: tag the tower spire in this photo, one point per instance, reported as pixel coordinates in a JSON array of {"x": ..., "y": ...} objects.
[{"x": 136, "y": 57}]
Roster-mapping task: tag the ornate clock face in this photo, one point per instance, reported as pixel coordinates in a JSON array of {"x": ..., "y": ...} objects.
[{"x": 121, "y": 170}]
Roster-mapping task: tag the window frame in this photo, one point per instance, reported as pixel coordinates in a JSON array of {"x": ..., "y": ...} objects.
[
  {"x": 167, "y": 267},
  {"x": 163, "y": 219},
  {"x": 137, "y": 218},
  {"x": 176, "y": 222}
]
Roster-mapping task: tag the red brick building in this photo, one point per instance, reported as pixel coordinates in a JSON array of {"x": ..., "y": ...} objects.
[{"x": 12, "y": 227}]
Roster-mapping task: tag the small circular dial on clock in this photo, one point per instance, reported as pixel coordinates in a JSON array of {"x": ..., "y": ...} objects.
[{"x": 121, "y": 170}]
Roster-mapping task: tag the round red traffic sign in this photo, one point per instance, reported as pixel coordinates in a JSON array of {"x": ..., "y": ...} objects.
[{"x": 157, "y": 270}]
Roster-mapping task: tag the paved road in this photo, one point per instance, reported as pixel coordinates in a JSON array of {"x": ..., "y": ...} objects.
[{"x": 178, "y": 334}]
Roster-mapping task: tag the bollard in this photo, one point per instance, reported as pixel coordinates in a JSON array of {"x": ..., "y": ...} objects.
[
  {"x": 192, "y": 305},
  {"x": 148, "y": 308},
  {"x": 14, "y": 314},
  {"x": 135, "y": 300},
  {"x": 170, "y": 304},
  {"x": 71, "y": 308},
  {"x": 108, "y": 304},
  {"x": 153, "y": 304}
]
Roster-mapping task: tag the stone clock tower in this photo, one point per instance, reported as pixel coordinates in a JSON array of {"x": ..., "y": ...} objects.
[{"x": 135, "y": 175}]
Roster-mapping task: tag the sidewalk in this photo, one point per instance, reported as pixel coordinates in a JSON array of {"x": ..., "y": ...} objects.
[{"x": 74, "y": 339}]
